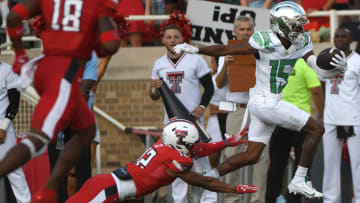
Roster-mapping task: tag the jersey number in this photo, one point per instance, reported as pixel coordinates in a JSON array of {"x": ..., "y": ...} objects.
[
  {"x": 277, "y": 71},
  {"x": 71, "y": 15},
  {"x": 145, "y": 159}
]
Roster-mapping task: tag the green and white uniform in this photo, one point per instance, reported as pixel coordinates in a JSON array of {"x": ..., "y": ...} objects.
[{"x": 273, "y": 67}]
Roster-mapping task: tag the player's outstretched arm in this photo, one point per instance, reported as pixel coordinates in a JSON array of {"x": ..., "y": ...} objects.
[
  {"x": 211, "y": 183},
  {"x": 338, "y": 62},
  {"x": 216, "y": 50},
  {"x": 206, "y": 149}
]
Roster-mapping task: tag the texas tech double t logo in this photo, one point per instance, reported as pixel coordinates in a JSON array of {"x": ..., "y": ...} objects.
[{"x": 175, "y": 79}]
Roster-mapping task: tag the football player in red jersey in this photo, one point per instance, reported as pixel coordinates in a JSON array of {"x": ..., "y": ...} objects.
[
  {"x": 72, "y": 30},
  {"x": 167, "y": 159}
]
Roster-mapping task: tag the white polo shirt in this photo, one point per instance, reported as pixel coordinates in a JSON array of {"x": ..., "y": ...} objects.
[{"x": 7, "y": 80}]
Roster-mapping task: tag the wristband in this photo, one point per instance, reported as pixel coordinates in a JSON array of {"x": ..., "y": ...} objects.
[
  {"x": 21, "y": 11},
  {"x": 203, "y": 107},
  {"x": 15, "y": 32},
  {"x": 5, "y": 124},
  {"x": 109, "y": 36}
]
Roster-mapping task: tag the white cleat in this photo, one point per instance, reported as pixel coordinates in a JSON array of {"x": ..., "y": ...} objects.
[
  {"x": 302, "y": 188},
  {"x": 317, "y": 193}
]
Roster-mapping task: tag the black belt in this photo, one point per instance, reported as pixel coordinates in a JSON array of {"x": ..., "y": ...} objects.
[
  {"x": 122, "y": 173},
  {"x": 241, "y": 105}
]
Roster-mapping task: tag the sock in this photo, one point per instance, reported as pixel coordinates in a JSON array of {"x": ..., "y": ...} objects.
[{"x": 300, "y": 174}]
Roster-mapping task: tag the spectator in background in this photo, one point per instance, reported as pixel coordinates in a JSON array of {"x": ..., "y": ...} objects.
[
  {"x": 216, "y": 126},
  {"x": 136, "y": 30},
  {"x": 342, "y": 121},
  {"x": 318, "y": 26},
  {"x": 4, "y": 11},
  {"x": 303, "y": 85},
  {"x": 184, "y": 74}
]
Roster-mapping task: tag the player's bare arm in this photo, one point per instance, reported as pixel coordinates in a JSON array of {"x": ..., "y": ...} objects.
[
  {"x": 153, "y": 90},
  {"x": 24, "y": 10},
  {"x": 211, "y": 183},
  {"x": 108, "y": 35},
  {"x": 217, "y": 50}
]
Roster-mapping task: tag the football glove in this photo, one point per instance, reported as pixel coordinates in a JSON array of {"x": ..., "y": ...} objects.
[
  {"x": 235, "y": 139},
  {"x": 185, "y": 47},
  {"x": 20, "y": 59},
  {"x": 241, "y": 189},
  {"x": 339, "y": 61}
]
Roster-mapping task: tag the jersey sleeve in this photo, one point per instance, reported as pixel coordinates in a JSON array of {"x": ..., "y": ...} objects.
[
  {"x": 307, "y": 45},
  {"x": 180, "y": 164},
  {"x": 155, "y": 73},
  {"x": 108, "y": 8},
  {"x": 202, "y": 67},
  {"x": 10, "y": 76},
  {"x": 261, "y": 41}
]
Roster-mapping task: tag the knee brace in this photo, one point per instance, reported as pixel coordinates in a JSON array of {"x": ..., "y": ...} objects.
[{"x": 31, "y": 146}]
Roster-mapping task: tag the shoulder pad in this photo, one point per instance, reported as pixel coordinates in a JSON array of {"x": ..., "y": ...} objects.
[{"x": 261, "y": 40}]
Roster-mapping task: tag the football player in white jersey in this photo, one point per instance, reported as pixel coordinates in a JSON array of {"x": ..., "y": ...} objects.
[
  {"x": 342, "y": 123},
  {"x": 276, "y": 52}
]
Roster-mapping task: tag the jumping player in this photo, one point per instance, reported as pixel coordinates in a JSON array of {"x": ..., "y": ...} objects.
[
  {"x": 276, "y": 52},
  {"x": 72, "y": 30},
  {"x": 168, "y": 158}
]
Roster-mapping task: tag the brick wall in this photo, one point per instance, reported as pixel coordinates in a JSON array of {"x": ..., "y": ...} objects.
[{"x": 129, "y": 103}]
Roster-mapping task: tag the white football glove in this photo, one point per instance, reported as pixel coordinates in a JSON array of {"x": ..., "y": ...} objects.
[
  {"x": 339, "y": 61},
  {"x": 185, "y": 47}
]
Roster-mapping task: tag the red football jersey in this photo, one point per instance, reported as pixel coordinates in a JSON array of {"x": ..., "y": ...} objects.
[
  {"x": 71, "y": 25},
  {"x": 149, "y": 171}
]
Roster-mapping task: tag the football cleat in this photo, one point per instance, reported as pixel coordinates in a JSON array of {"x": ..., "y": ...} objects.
[
  {"x": 317, "y": 193},
  {"x": 302, "y": 188}
]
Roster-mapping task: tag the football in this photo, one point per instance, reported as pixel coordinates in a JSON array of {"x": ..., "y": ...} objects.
[{"x": 324, "y": 58}]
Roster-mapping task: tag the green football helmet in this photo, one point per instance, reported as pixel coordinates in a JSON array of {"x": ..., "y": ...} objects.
[{"x": 287, "y": 19}]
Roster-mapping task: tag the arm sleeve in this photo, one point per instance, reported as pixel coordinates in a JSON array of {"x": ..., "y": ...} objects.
[
  {"x": 206, "y": 82},
  {"x": 12, "y": 93},
  {"x": 209, "y": 148},
  {"x": 14, "y": 101}
]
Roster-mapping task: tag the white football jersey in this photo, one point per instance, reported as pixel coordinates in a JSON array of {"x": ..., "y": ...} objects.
[
  {"x": 7, "y": 80},
  {"x": 183, "y": 78},
  {"x": 342, "y": 96},
  {"x": 275, "y": 62}
]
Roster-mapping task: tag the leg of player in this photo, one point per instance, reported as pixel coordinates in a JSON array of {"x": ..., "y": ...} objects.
[
  {"x": 251, "y": 156},
  {"x": 70, "y": 154},
  {"x": 314, "y": 131},
  {"x": 31, "y": 146}
]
